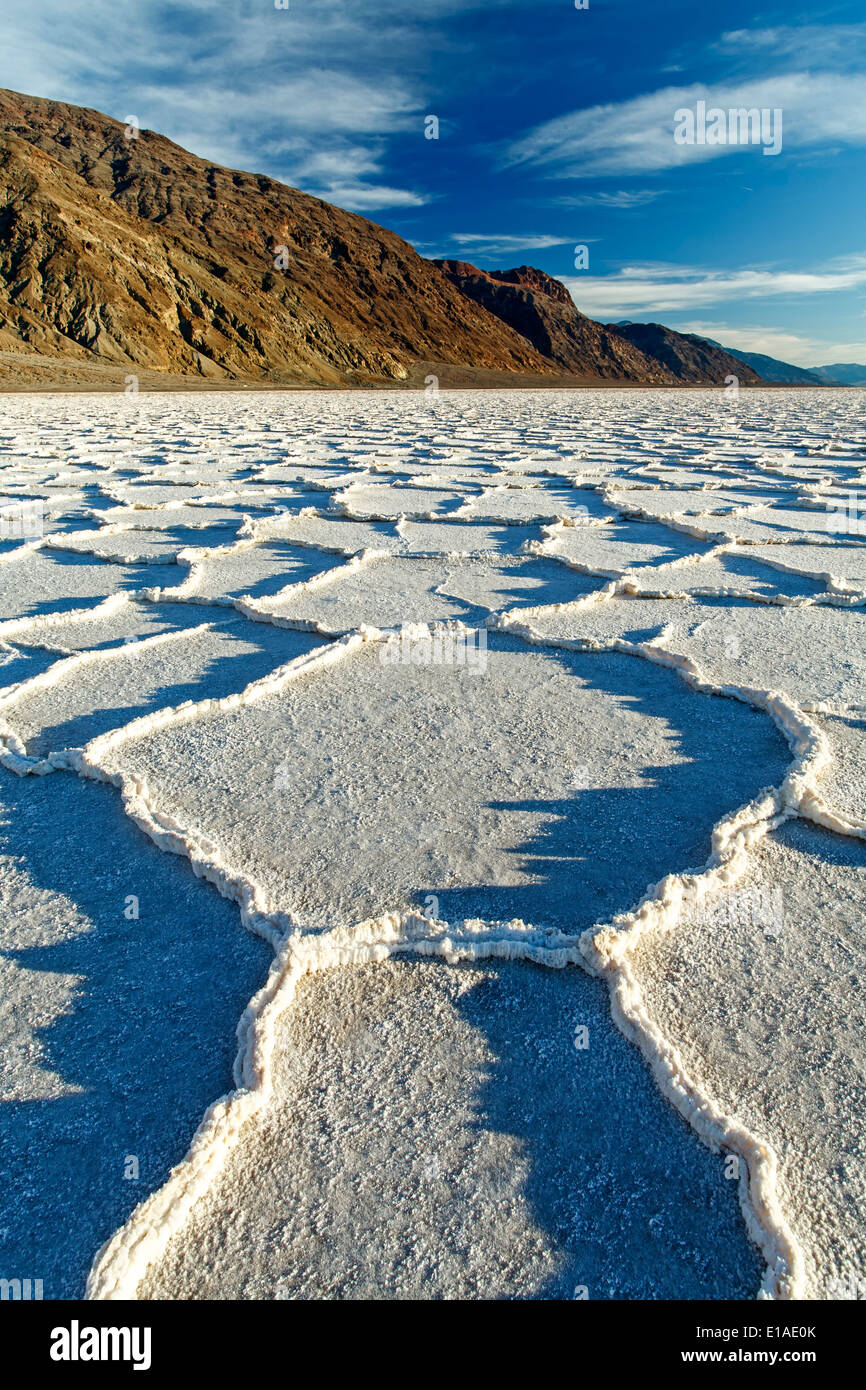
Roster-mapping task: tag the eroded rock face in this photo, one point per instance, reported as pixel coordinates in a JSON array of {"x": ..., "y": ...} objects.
[{"x": 525, "y": 277}]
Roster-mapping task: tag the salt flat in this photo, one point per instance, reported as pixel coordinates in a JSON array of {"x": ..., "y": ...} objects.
[{"x": 493, "y": 764}]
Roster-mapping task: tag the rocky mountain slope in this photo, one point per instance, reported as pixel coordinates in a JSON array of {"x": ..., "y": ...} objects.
[
  {"x": 121, "y": 248},
  {"x": 688, "y": 358},
  {"x": 541, "y": 309},
  {"x": 135, "y": 250}
]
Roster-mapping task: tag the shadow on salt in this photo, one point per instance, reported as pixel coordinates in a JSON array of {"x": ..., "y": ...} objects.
[
  {"x": 598, "y": 847},
  {"x": 147, "y": 1042},
  {"x": 630, "y": 1201}
]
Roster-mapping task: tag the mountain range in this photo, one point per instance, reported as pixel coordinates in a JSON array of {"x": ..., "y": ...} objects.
[
  {"x": 770, "y": 369},
  {"x": 120, "y": 251}
]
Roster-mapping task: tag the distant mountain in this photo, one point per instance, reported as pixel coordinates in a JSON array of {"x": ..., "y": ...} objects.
[
  {"x": 841, "y": 374},
  {"x": 771, "y": 369},
  {"x": 786, "y": 374},
  {"x": 688, "y": 358},
  {"x": 121, "y": 250}
]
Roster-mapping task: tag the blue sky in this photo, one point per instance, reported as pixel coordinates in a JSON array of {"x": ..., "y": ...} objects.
[{"x": 555, "y": 130}]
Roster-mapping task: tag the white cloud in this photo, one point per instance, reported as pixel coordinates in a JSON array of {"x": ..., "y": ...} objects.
[
  {"x": 335, "y": 175},
  {"x": 818, "y": 45},
  {"x": 344, "y": 162},
  {"x": 621, "y": 198},
  {"x": 504, "y": 247},
  {"x": 637, "y": 136},
  {"x": 653, "y": 290},
  {"x": 364, "y": 197},
  {"x": 291, "y": 131},
  {"x": 492, "y": 243}
]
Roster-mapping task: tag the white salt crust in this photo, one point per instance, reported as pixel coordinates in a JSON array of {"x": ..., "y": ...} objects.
[{"x": 666, "y": 540}]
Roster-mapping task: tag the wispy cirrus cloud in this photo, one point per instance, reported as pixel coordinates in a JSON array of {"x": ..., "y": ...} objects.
[
  {"x": 620, "y": 199},
  {"x": 655, "y": 289},
  {"x": 499, "y": 243},
  {"x": 333, "y": 115},
  {"x": 837, "y": 46},
  {"x": 367, "y": 197},
  {"x": 637, "y": 136},
  {"x": 339, "y": 175}
]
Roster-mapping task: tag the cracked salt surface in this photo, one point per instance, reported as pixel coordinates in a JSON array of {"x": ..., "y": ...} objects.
[{"x": 654, "y": 733}]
